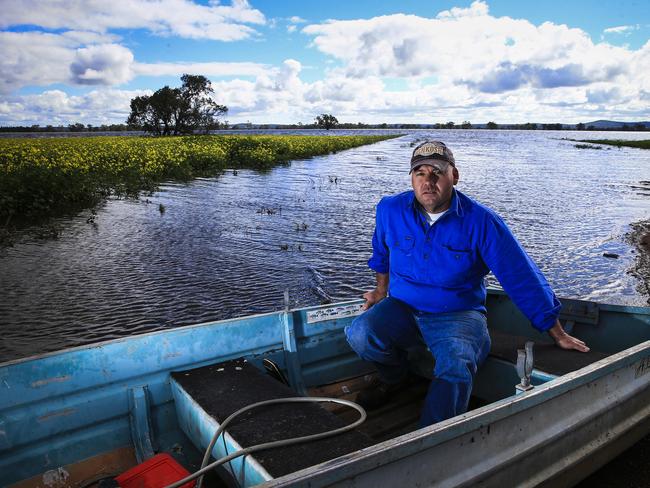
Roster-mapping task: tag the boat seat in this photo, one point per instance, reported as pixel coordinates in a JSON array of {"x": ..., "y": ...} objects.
[
  {"x": 547, "y": 356},
  {"x": 222, "y": 389}
]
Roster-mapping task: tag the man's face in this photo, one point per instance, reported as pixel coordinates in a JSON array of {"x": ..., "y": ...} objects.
[{"x": 433, "y": 185}]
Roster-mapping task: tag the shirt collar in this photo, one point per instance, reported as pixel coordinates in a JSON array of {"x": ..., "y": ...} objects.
[{"x": 454, "y": 207}]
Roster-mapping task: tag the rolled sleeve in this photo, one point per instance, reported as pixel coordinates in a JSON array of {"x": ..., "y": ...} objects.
[
  {"x": 518, "y": 274},
  {"x": 379, "y": 261}
]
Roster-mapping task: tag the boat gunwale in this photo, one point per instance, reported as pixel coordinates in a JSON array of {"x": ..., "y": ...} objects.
[
  {"x": 491, "y": 290},
  {"x": 94, "y": 345},
  {"x": 420, "y": 440}
]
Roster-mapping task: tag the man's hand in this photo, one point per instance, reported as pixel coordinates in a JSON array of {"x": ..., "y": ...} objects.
[
  {"x": 564, "y": 340},
  {"x": 372, "y": 297},
  {"x": 378, "y": 294}
]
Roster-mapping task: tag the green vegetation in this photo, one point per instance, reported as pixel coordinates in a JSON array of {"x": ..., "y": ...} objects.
[
  {"x": 619, "y": 143},
  {"x": 587, "y": 146},
  {"x": 175, "y": 111},
  {"x": 326, "y": 121},
  {"x": 40, "y": 178}
]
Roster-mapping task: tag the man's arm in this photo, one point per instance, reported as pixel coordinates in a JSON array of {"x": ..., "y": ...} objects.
[
  {"x": 378, "y": 262},
  {"x": 564, "y": 340},
  {"x": 379, "y": 293},
  {"x": 524, "y": 282}
]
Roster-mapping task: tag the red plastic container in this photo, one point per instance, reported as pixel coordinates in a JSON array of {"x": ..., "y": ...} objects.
[{"x": 157, "y": 472}]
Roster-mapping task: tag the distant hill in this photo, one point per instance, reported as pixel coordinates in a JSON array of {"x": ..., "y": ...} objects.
[{"x": 612, "y": 124}]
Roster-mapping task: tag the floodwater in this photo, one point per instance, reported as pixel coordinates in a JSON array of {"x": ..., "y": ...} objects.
[{"x": 229, "y": 246}]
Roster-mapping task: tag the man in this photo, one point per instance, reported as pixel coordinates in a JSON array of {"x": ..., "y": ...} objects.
[{"x": 432, "y": 249}]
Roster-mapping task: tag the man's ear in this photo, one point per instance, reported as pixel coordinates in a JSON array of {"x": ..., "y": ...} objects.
[{"x": 456, "y": 175}]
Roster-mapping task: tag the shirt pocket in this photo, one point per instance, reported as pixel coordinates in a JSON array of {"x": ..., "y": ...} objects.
[
  {"x": 402, "y": 248},
  {"x": 451, "y": 265}
]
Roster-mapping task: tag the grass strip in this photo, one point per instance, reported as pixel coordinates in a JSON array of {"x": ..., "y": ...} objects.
[
  {"x": 40, "y": 178},
  {"x": 619, "y": 143}
]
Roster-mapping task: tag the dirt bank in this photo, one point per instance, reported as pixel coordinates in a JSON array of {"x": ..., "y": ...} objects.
[{"x": 639, "y": 237}]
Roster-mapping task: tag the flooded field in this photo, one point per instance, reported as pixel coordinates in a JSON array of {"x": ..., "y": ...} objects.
[{"x": 229, "y": 246}]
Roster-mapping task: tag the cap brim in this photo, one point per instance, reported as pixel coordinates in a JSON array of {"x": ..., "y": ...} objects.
[{"x": 428, "y": 162}]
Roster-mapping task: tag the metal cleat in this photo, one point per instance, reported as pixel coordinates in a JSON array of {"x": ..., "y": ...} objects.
[{"x": 525, "y": 367}]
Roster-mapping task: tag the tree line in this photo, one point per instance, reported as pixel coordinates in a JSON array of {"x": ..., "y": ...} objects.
[{"x": 79, "y": 127}]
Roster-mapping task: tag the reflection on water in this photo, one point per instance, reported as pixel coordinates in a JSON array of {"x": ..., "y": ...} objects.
[{"x": 230, "y": 246}]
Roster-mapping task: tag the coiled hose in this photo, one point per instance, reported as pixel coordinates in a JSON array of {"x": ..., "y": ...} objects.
[{"x": 205, "y": 467}]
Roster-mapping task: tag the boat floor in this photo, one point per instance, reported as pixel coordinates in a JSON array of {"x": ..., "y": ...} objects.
[
  {"x": 224, "y": 388},
  {"x": 399, "y": 416},
  {"x": 402, "y": 413}
]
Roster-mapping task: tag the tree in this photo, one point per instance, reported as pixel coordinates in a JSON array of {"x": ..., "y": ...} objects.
[
  {"x": 174, "y": 111},
  {"x": 466, "y": 125},
  {"x": 449, "y": 125},
  {"x": 492, "y": 125},
  {"x": 76, "y": 127},
  {"x": 328, "y": 121}
]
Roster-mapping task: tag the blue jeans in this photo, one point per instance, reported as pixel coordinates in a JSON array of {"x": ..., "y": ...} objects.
[{"x": 459, "y": 342}]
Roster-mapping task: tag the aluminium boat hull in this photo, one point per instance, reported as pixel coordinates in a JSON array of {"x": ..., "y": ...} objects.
[{"x": 63, "y": 413}]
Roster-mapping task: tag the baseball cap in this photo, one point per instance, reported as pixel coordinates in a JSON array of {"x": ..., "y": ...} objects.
[{"x": 431, "y": 151}]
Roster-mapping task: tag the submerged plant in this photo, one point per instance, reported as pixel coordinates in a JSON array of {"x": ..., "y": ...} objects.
[{"x": 586, "y": 146}]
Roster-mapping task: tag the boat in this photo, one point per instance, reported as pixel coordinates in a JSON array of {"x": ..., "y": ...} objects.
[{"x": 539, "y": 416}]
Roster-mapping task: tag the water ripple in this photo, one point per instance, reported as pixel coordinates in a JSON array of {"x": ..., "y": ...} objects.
[{"x": 231, "y": 245}]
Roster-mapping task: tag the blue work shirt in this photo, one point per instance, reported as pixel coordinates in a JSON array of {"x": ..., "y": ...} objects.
[{"x": 441, "y": 267}]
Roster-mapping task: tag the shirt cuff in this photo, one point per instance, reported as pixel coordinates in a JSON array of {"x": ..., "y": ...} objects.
[{"x": 378, "y": 265}]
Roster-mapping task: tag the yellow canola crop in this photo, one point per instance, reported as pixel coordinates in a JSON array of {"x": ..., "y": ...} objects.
[{"x": 44, "y": 177}]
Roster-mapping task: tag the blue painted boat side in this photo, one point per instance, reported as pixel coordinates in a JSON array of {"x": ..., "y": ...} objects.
[
  {"x": 59, "y": 408},
  {"x": 200, "y": 427},
  {"x": 63, "y": 407},
  {"x": 606, "y": 328}
]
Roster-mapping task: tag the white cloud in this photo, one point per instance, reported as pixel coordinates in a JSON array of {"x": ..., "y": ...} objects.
[
  {"x": 105, "y": 106},
  {"x": 621, "y": 29},
  {"x": 89, "y": 37},
  {"x": 107, "y": 64},
  {"x": 42, "y": 59},
  {"x": 476, "y": 9},
  {"x": 34, "y": 58},
  {"x": 293, "y": 23},
  {"x": 182, "y": 18},
  {"x": 469, "y": 46},
  {"x": 465, "y": 60},
  {"x": 38, "y": 58}
]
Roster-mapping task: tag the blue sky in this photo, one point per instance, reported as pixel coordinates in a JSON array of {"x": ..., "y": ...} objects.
[{"x": 370, "y": 61}]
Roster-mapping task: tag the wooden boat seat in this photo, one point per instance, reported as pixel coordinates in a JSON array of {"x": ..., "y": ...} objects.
[
  {"x": 224, "y": 388},
  {"x": 547, "y": 357}
]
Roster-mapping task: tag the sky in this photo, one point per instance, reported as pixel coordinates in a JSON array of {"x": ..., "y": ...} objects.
[{"x": 371, "y": 61}]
